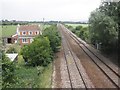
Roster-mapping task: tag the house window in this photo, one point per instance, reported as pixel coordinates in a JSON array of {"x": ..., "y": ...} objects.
[
  {"x": 24, "y": 33},
  {"x": 24, "y": 40},
  {"x": 36, "y": 33},
  {"x": 30, "y": 33}
]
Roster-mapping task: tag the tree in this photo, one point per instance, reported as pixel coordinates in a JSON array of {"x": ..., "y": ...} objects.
[
  {"x": 54, "y": 37},
  {"x": 38, "y": 52},
  {"x": 102, "y": 30},
  {"x": 70, "y": 28},
  {"x": 84, "y": 33},
  {"x": 110, "y": 9},
  {"x": 25, "y": 52},
  {"x": 78, "y": 27}
]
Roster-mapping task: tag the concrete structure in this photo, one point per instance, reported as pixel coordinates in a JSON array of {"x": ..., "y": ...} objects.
[{"x": 12, "y": 56}]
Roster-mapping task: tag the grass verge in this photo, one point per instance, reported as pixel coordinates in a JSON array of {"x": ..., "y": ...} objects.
[{"x": 27, "y": 77}]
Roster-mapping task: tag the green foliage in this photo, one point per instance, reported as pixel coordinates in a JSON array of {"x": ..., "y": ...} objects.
[
  {"x": 70, "y": 28},
  {"x": 8, "y": 69},
  {"x": 38, "y": 52},
  {"x": 80, "y": 31},
  {"x": 78, "y": 27},
  {"x": 13, "y": 22},
  {"x": 45, "y": 77},
  {"x": 32, "y": 77},
  {"x": 40, "y": 70},
  {"x": 54, "y": 37},
  {"x": 110, "y": 9},
  {"x": 84, "y": 33},
  {"x": 11, "y": 50},
  {"x": 103, "y": 30}
]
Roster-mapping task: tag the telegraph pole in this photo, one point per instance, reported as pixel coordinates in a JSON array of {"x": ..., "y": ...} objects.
[{"x": 43, "y": 24}]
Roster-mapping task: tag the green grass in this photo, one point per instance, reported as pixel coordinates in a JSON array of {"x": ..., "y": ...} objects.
[
  {"x": 74, "y": 25},
  {"x": 28, "y": 76},
  {"x": 8, "y": 30},
  {"x": 46, "y": 77}
]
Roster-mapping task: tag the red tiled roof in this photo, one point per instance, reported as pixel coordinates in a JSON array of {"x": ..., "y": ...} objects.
[{"x": 29, "y": 27}]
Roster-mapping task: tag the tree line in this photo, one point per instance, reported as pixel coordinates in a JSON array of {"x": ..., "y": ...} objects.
[
  {"x": 13, "y": 22},
  {"x": 80, "y": 31},
  {"x": 103, "y": 27}
]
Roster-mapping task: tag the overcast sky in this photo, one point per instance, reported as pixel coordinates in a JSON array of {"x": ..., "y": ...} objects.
[{"x": 36, "y": 10}]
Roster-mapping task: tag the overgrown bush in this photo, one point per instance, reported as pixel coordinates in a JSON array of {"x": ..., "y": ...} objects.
[
  {"x": 54, "y": 37},
  {"x": 82, "y": 32},
  {"x": 11, "y": 50},
  {"x": 8, "y": 69},
  {"x": 78, "y": 27},
  {"x": 38, "y": 52}
]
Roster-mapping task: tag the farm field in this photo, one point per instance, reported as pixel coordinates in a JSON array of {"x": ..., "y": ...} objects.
[
  {"x": 74, "y": 25},
  {"x": 8, "y": 30}
]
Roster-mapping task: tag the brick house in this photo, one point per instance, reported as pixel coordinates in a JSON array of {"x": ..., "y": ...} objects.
[{"x": 26, "y": 33}]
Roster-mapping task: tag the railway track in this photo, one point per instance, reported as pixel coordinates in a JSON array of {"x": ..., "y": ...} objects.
[
  {"x": 105, "y": 61},
  {"x": 77, "y": 75},
  {"x": 110, "y": 70}
]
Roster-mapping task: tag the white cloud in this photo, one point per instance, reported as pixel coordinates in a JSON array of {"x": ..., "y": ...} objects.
[{"x": 49, "y": 9}]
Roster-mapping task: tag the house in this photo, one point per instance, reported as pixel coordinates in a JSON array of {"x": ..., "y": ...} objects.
[{"x": 26, "y": 33}]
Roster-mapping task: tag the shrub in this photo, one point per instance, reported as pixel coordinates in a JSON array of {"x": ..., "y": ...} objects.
[
  {"x": 11, "y": 50},
  {"x": 53, "y": 36},
  {"x": 8, "y": 69},
  {"x": 38, "y": 52}
]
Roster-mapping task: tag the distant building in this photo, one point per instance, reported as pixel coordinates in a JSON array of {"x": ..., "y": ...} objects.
[{"x": 26, "y": 33}]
